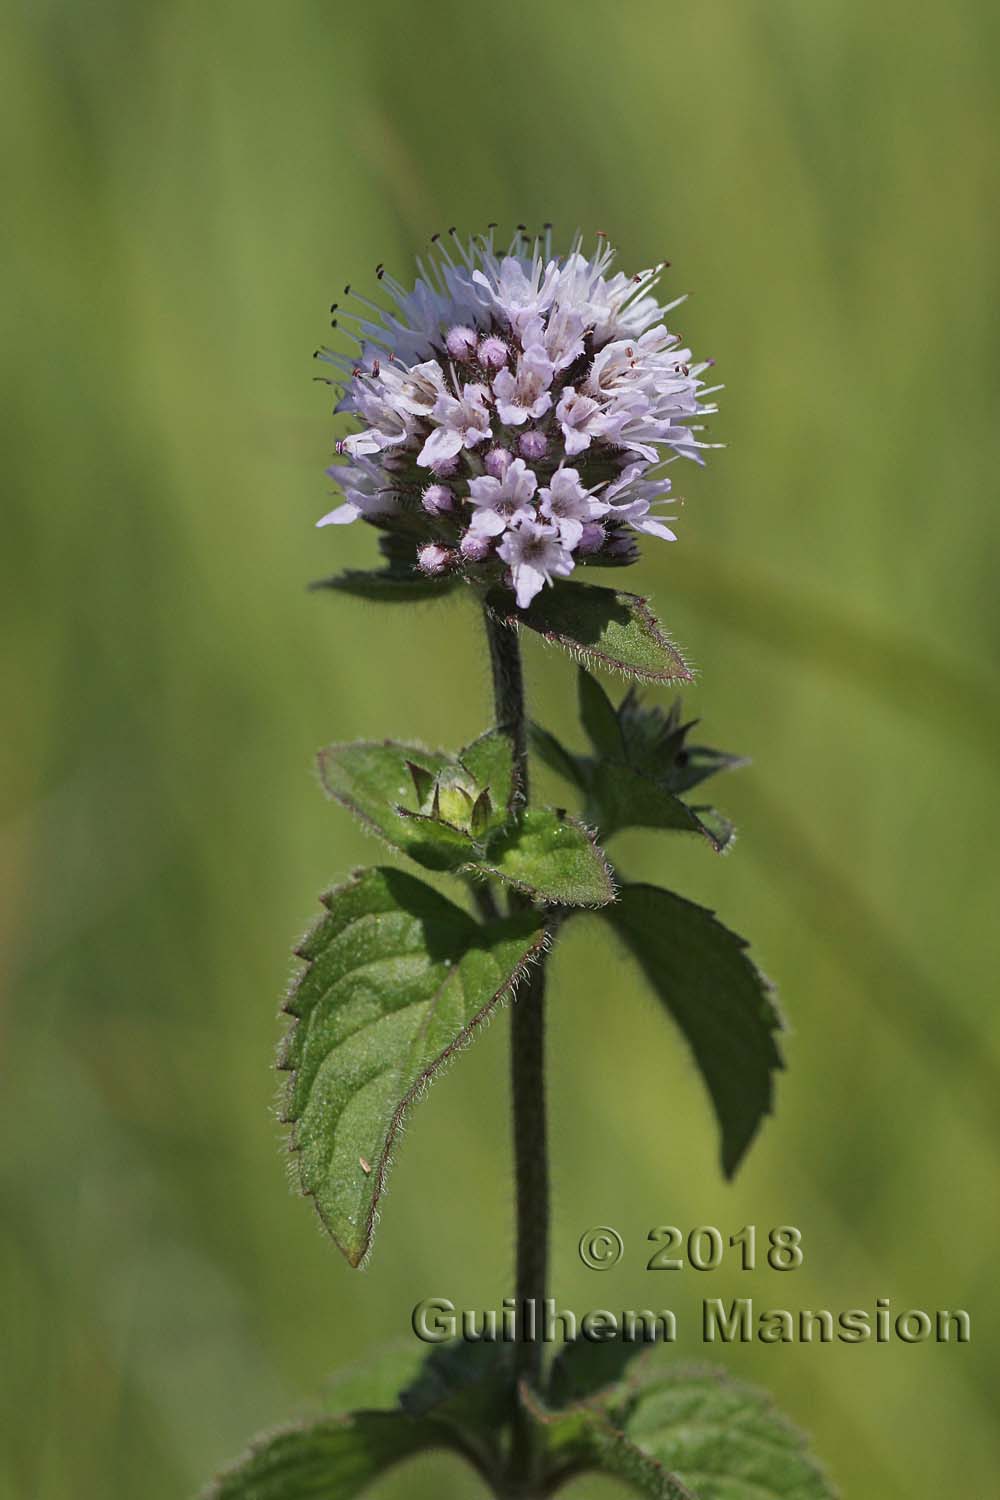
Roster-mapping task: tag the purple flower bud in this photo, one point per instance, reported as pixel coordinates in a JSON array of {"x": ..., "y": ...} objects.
[
  {"x": 445, "y": 467},
  {"x": 437, "y": 499},
  {"x": 533, "y": 445},
  {"x": 461, "y": 342},
  {"x": 622, "y": 546},
  {"x": 591, "y": 539},
  {"x": 433, "y": 559},
  {"x": 497, "y": 462},
  {"x": 474, "y": 548},
  {"x": 493, "y": 353}
]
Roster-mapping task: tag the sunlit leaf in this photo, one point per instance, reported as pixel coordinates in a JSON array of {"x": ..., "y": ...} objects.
[
  {"x": 603, "y": 627},
  {"x": 552, "y": 858},
  {"x": 397, "y": 979}
]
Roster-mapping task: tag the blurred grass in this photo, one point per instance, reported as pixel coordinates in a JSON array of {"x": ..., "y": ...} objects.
[{"x": 186, "y": 187}]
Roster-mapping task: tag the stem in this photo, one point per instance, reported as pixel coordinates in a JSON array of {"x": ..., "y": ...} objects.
[{"x": 527, "y": 1074}]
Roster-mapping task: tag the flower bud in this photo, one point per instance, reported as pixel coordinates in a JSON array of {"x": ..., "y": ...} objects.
[
  {"x": 591, "y": 539},
  {"x": 444, "y": 468},
  {"x": 474, "y": 548},
  {"x": 435, "y": 560},
  {"x": 533, "y": 445},
  {"x": 497, "y": 462},
  {"x": 493, "y": 353},
  {"x": 437, "y": 499},
  {"x": 460, "y": 342}
]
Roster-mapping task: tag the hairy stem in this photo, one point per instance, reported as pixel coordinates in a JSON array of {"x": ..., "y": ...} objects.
[{"x": 527, "y": 1072}]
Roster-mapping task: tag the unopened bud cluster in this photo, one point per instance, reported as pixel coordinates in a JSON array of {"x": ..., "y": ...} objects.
[{"x": 517, "y": 412}]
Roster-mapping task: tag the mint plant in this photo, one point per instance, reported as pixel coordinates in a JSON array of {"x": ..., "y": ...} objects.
[{"x": 513, "y": 415}]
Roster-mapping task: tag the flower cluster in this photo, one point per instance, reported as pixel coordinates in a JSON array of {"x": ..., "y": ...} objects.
[{"x": 517, "y": 411}]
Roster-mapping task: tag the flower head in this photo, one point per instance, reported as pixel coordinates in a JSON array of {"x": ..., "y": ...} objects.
[{"x": 494, "y": 354}]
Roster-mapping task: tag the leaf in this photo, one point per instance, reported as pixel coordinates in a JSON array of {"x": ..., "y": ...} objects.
[
  {"x": 388, "y": 585},
  {"x": 724, "y": 1439},
  {"x": 720, "y": 1000},
  {"x": 582, "y": 1367},
  {"x": 376, "y": 782},
  {"x": 489, "y": 761},
  {"x": 599, "y": 719},
  {"x": 553, "y": 858},
  {"x": 686, "y": 1433},
  {"x": 397, "y": 979},
  {"x": 604, "y": 627},
  {"x": 582, "y": 1439},
  {"x": 457, "y": 1398},
  {"x": 333, "y": 1460},
  {"x": 656, "y": 744},
  {"x": 620, "y": 797},
  {"x": 550, "y": 857}
]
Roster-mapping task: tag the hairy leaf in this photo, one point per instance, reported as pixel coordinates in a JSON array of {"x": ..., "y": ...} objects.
[
  {"x": 686, "y": 1433},
  {"x": 582, "y": 1368},
  {"x": 620, "y": 797},
  {"x": 724, "y": 1439},
  {"x": 396, "y": 980},
  {"x": 552, "y": 858},
  {"x": 434, "y": 809},
  {"x": 720, "y": 1000},
  {"x": 388, "y": 585},
  {"x": 457, "y": 1398},
  {"x": 604, "y": 627}
]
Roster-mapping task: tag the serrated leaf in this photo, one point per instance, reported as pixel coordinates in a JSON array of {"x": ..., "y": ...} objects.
[
  {"x": 722, "y": 1003},
  {"x": 388, "y": 585},
  {"x": 458, "y": 1397},
  {"x": 375, "y": 781},
  {"x": 620, "y": 797},
  {"x": 603, "y": 627},
  {"x": 686, "y": 1433},
  {"x": 552, "y": 858},
  {"x": 548, "y": 856},
  {"x": 397, "y": 979},
  {"x": 724, "y": 1439},
  {"x": 333, "y": 1460},
  {"x": 599, "y": 719}
]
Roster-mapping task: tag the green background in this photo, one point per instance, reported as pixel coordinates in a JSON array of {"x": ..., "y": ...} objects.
[{"x": 187, "y": 185}]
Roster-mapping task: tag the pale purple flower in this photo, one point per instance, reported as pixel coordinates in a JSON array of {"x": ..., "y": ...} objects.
[
  {"x": 499, "y": 502},
  {"x": 581, "y": 361},
  {"x": 568, "y": 506},
  {"x": 536, "y": 555},
  {"x": 463, "y": 422},
  {"x": 525, "y": 393}
]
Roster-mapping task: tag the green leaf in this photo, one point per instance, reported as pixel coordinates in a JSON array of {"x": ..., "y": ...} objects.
[
  {"x": 582, "y": 1439},
  {"x": 331, "y": 1460},
  {"x": 656, "y": 744},
  {"x": 389, "y": 585},
  {"x": 376, "y": 781},
  {"x": 397, "y": 979},
  {"x": 603, "y": 627},
  {"x": 620, "y": 797},
  {"x": 686, "y": 1433},
  {"x": 724, "y": 1439},
  {"x": 599, "y": 719},
  {"x": 582, "y": 1368},
  {"x": 720, "y": 1000},
  {"x": 489, "y": 761},
  {"x": 552, "y": 858},
  {"x": 457, "y": 1398}
]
